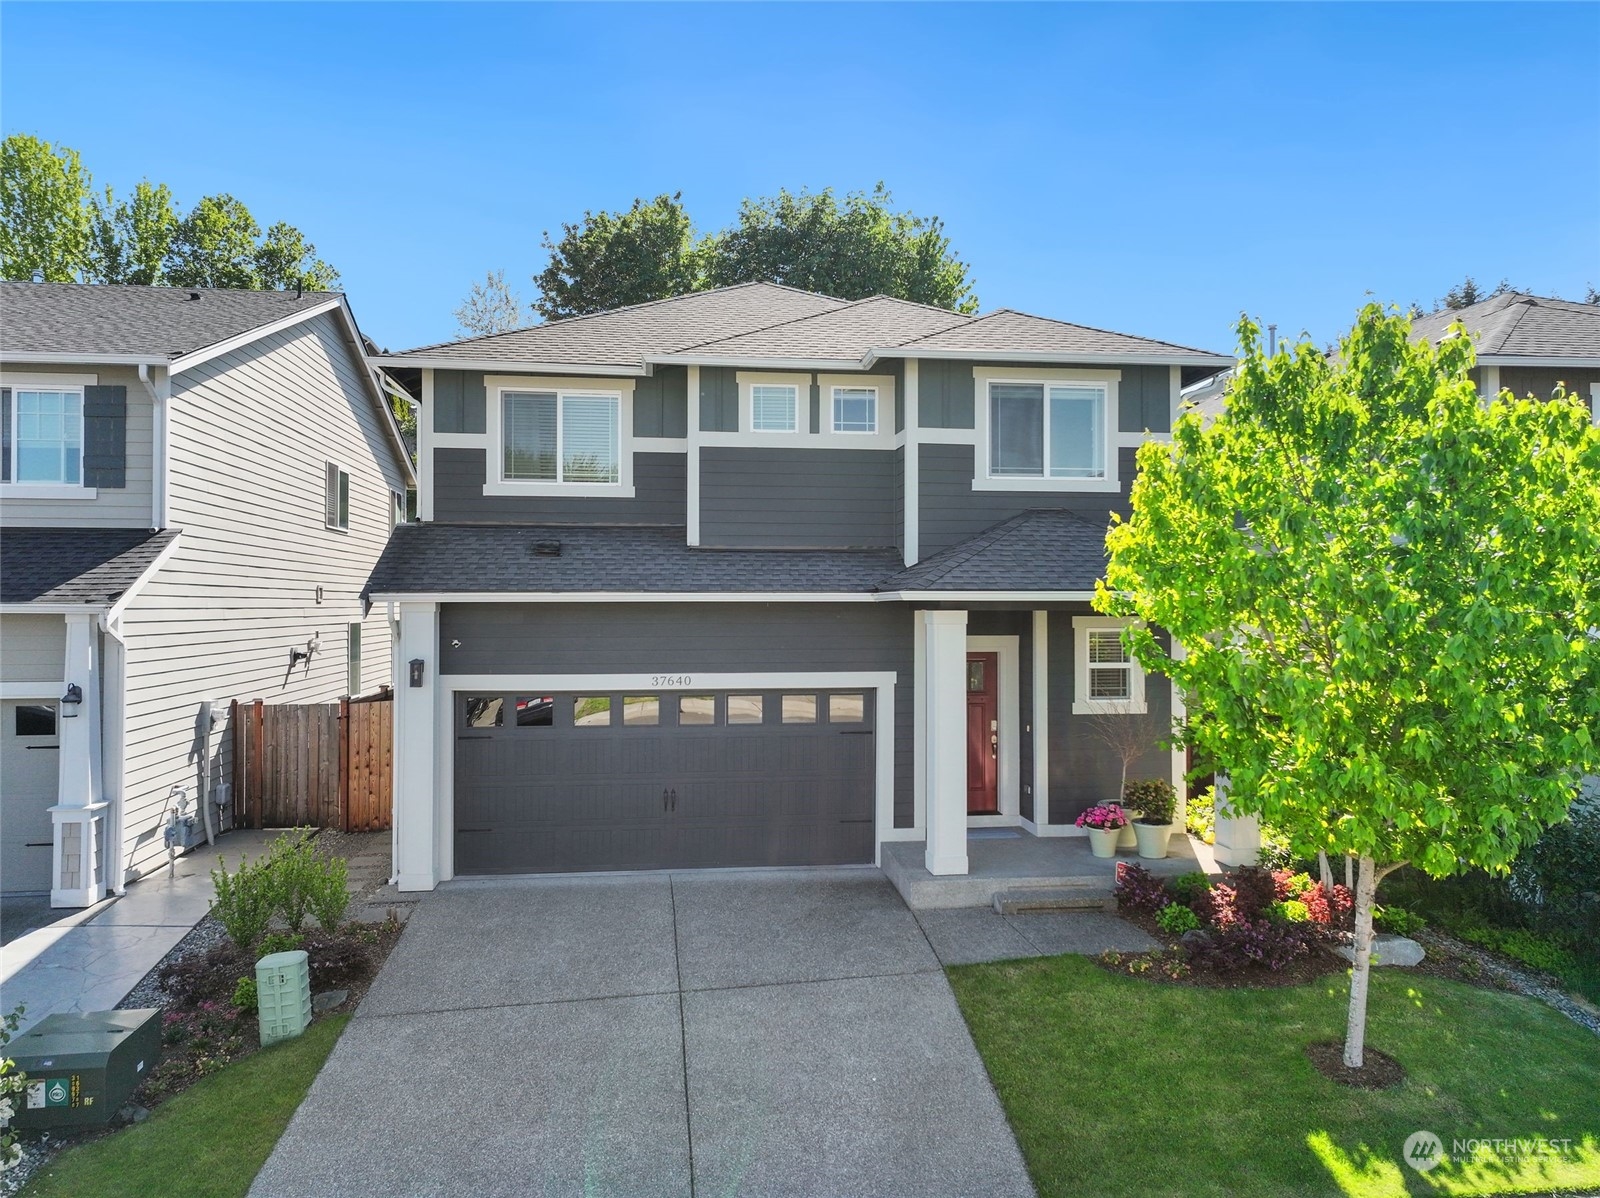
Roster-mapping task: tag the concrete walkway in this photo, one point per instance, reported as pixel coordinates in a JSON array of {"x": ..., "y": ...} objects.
[
  {"x": 772, "y": 1033},
  {"x": 88, "y": 960}
]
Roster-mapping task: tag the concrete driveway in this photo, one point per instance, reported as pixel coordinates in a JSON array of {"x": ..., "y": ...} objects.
[{"x": 722, "y": 1034}]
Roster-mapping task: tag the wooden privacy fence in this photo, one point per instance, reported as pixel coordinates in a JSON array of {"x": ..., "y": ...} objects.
[{"x": 324, "y": 765}]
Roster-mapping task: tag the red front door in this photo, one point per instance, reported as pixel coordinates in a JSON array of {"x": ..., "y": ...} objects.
[{"x": 983, "y": 734}]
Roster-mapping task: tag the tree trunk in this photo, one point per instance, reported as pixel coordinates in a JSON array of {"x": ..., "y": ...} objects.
[
  {"x": 1349, "y": 882},
  {"x": 1324, "y": 871},
  {"x": 1356, "y": 1031}
]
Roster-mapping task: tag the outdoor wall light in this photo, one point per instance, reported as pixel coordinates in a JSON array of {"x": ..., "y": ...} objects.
[
  {"x": 71, "y": 701},
  {"x": 416, "y": 671}
]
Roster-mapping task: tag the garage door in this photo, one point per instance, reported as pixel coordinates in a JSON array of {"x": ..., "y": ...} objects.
[
  {"x": 571, "y": 782},
  {"x": 29, "y": 761}
]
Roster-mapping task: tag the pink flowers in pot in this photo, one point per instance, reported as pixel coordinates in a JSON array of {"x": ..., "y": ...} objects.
[{"x": 1108, "y": 817}]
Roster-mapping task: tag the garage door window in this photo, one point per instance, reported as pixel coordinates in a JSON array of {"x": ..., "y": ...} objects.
[
  {"x": 696, "y": 710},
  {"x": 847, "y": 709},
  {"x": 641, "y": 710},
  {"x": 591, "y": 711},
  {"x": 36, "y": 719},
  {"x": 799, "y": 709},
  {"x": 536, "y": 711},
  {"x": 485, "y": 711},
  {"x": 745, "y": 709}
]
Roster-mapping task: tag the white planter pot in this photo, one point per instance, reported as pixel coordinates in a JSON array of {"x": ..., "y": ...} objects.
[
  {"x": 1126, "y": 840},
  {"x": 1152, "y": 839},
  {"x": 1103, "y": 841}
]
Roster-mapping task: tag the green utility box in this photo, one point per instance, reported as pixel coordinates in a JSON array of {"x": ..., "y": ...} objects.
[
  {"x": 283, "y": 995},
  {"x": 82, "y": 1068}
]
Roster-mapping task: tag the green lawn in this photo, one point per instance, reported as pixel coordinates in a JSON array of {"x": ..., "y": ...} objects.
[
  {"x": 1190, "y": 1091},
  {"x": 208, "y": 1142}
]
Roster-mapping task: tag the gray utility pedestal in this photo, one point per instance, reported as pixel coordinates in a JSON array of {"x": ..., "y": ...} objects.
[{"x": 82, "y": 1068}]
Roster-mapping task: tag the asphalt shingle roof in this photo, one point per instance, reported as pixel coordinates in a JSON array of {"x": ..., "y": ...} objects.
[
  {"x": 624, "y": 336},
  {"x": 1018, "y": 332},
  {"x": 844, "y": 332},
  {"x": 479, "y": 558},
  {"x": 92, "y": 566},
  {"x": 1517, "y": 325},
  {"x": 82, "y": 320},
  {"x": 1038, "y": 550}
]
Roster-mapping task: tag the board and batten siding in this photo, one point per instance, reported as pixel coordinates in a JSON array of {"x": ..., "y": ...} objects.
[
  {"x": 659, "y": 484},
  {"x": 799, "y": 498},
  {"x": 128, "y": 506},
  {"x": 250, "y": 434},
  {"x": 33, "y": 649},
  {"x": 690, "y": 638}
]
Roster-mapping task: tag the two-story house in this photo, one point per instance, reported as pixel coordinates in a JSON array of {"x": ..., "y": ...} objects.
[
  {"x": 194, "y": 486},
  {"x": 759, "y": 577}
]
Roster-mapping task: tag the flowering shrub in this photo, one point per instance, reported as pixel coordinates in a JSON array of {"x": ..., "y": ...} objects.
[
  {"x": 1105, "y": 816},
  {"x": 1254, "y": 944},
  {"x": 1176, "y": 919},
  {"x": 12, "y": 1083},
  {"x": 1138, "y": 889}
]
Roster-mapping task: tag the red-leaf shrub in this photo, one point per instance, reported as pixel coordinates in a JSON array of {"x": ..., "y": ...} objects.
[
  {"x": 1316, "y": 901},
  {"x": 1256, "y": 890},
  {"x": 1343, "y": 905},
  {"x": 1138, "y": 889},
  {"x": 1253, "y": 944}
]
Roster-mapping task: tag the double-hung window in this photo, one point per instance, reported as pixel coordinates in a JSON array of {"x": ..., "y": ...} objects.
[
  {"x": 855, "y": 409},
  {"x": 774, "y": 407},
  {"x": 47, "y": 437},
  {"x": 1047, "y": 430},
  {"x": 1108, "y": 679},
  {"x": 335, "y": 496},
  {"x": 561, "y": 437}
]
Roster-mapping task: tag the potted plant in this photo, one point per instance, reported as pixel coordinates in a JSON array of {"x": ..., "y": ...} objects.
[
  {"x": 1156, "y": 800},
  {"x": 1104, "y": 823}
]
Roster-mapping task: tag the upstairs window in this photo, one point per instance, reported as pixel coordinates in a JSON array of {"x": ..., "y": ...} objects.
[
  {"x": 47, "y": 437},
  {"x": 855, "y": 409},
  {"x": 336, "y": 496},
  {"x": 561, "y": 437},
  {"x": 1047, "y": 430},
  {"x": 774, "y": 407}
]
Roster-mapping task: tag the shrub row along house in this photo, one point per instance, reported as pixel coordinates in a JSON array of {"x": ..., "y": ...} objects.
[{"x": 193, "y": 484}]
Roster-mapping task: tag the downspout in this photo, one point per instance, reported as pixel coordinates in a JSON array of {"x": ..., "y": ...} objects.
[{"x": 158, "y": 448}]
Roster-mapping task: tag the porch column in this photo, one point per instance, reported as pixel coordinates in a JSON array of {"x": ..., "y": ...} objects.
[
  {"x": 75, "y": 867},
  {"x": 945, "y": 708},
  {"x": 1041, "y": 721},
  {"x": 1238, "y": 837},
  {"x": 415, "y": 804}
]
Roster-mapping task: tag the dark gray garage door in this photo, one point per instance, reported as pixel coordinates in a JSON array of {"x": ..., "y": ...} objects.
[{"x": 568, "y": 782}]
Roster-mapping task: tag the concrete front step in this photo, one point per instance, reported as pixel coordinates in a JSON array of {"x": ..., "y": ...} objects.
[{"x": 1055, "y": 898}]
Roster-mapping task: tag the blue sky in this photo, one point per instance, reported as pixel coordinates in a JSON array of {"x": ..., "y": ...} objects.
[{"x": 1149, "y": 168}]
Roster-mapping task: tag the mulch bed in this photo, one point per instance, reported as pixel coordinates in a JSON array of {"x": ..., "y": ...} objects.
[
  {"x": 1379, "y": 1071},
  {"x": 1161, "y": 964}
]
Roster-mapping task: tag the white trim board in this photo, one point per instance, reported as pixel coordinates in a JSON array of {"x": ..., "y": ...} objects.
[{"x": 881, "y": 682}]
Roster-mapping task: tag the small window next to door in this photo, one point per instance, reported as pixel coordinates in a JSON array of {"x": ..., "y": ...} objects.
[
  {"x": 1107, "y": 678},
  {"x": 36, "y": 719},
  {"x": 977, "y": 676}
]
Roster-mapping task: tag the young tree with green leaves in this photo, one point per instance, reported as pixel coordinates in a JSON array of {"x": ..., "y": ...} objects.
[
  {"x": 130, "y": 238},
  {"x": 285, "y": 260},
  {"x": 612, "y": 259},
  {"x": 44, "y": 211},
  {"x": 850, "y": 249},
  {"x": 1388, "y": 591},
  {"x": 215, "y": 246}
]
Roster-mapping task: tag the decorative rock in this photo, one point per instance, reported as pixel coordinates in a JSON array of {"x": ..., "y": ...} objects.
[
  {"x": 1194, "y": 939},
  {"x": 133, "y": 1113},
  {"x": 1388, "y": 949},
  {"x": 328, "y": 1000}
]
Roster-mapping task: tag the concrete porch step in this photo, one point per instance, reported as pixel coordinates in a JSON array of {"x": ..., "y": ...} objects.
[{"x": 1056, "y": 898}]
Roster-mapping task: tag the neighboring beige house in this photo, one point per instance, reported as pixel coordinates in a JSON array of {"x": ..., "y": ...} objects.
[{"x": 194, "y": 485}]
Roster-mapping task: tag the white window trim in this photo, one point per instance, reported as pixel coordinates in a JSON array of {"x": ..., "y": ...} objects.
[
  {"x": 494, "y": 425},
  {"x": 1082, "y": 704},
  {"x": 1108, "y": 380},
  {"x": 832, "y": 392},
  {"x": 802, "y": 404},
  {"x": 73, "y": 384},
  {"x": 329, "y": 515}
]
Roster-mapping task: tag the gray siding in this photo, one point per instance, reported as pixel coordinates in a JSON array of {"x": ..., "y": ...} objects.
[
  {"x": 795, "y": 498},
  {"x": 719, "y": 399},
  {"x": 458, "y": 402},
  {"x": 35, "y": 650},
  {"x": 952, "y": 511},
  {"x": 946, "y": 395},
  {"x": 659, "y": 481},
  {"x": 1083, "y": 769},
  {"x": 125, "y": 506},
  {"x": 1541, "y": 381},
  {"x": 660, "y": 402},
  {"x": 689, "y": 639},
  {"x": 250, "y": 433}
]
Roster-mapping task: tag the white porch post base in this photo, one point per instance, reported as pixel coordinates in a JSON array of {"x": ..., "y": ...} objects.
[
  {"x": 75, "y": 866},
  {"x": 75, "y": 857},
  {"x": 415, "y": 818},
  {"x": 945, "y": 707},
  {"x": 1238, "y": 837}
]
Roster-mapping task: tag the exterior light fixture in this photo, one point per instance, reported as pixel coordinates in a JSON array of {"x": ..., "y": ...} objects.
[{"x": 71, "y": 701}]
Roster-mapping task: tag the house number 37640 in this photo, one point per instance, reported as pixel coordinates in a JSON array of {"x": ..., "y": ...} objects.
[{"x": 671, "y": 680}]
